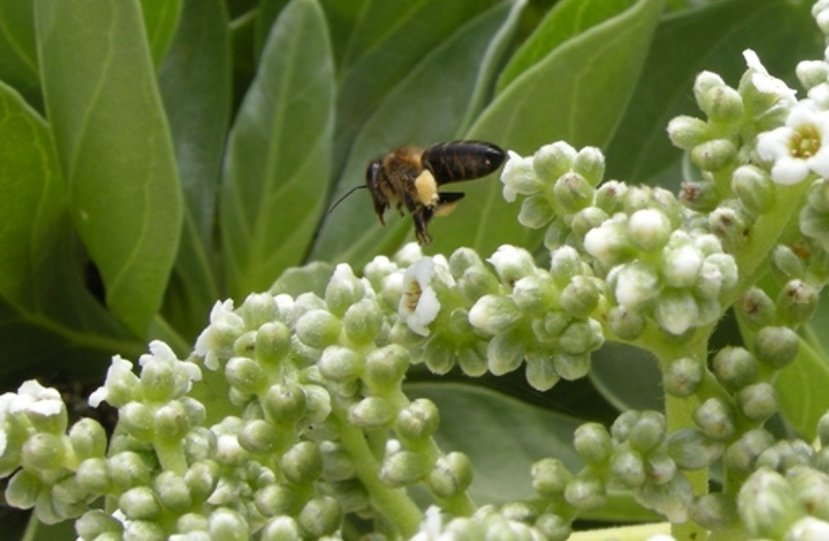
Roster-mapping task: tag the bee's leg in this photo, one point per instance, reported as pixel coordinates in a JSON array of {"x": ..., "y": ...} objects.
[
  {"x": 447, "y": 202},
  {"x": 421, "y": 217},
  {"x": 380, "y": 210}
]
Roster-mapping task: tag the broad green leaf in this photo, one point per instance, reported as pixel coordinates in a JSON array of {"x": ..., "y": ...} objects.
[
  {"x": 278, "y": 157},
  {"x": 578, "y": 93},
  {"x": 502, "y": 436},
  {"x": 310, "y": 278},
  {"x": 161, "y": 18},
  {"x": 712, "y": 38},
  {"x": 425, "y": 108},
  {"x": 627, "y": 377},
  {"x": 265, "y": 17},
  {"x": 195, "y": 85},
  {"x": 114, "y": 147},
  {"x": 18, "y": 53},
  {"x": 386, "y": 44},
  {"x": 48, "y": 320}
]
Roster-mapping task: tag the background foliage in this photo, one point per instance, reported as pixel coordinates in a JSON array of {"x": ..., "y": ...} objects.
[{"x": 156, "y": 156}]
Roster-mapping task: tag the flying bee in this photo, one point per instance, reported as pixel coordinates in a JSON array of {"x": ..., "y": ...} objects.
[{"x": 411, "y": 176}]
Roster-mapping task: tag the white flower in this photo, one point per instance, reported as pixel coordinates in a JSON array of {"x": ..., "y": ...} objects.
[
  {"x": 518, "y": 176},
  {"x": 431, "y": 527},
  {"x": 419, "y": 304},
  {"x": 767, "y": 84},
  {"x": 223, "y": 322},
  {"x": 119, "y": 378},
  {"x": 798, "y": 147},
  {"x": 808, "y": 529},
  {"x": 186, "y": 371},
  {"x": 32, "y": 397}
]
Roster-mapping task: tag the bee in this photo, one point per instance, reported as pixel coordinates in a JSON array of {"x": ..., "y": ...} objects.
[{"x": 411, "y": 176}]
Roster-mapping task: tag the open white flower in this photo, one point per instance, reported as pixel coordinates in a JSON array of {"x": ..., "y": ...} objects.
[
  {"x": 799, "y": 147},
  {"x": 419, "y": 304},
  {"x": 518, "y": 176},
  {"x": 766, "y": 83}
]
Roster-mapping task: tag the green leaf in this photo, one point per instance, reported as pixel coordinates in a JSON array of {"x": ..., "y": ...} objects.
[
  {"x": 578, "y": 93},
  {"x": 161, "y": 19},
  {"x": 278, "y": 158},
  {"x": 713, "y": 38},
  {"x": 47, "y": 317},
  {"x": 18, "y": 53},
  {"x": 310, "y": 278},
  {"x": 627, "y": 377},
  {"x": 502, "y": 436},
  {"x": 267, "y": 15},
  {"x": 114, "y": 147},
  {"x": 426, "y": 107},
  {"x": 195, "y": 85}
]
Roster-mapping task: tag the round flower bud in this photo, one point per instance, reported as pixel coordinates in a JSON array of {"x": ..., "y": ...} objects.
[
  {"x": 649, "y": 229},
  {"x": 636, "y": 284},
  {"x": 44, "y": 451},
  {"x": 754, "y": 187},
  {"x": 512, "y": 263},
  {"x": 742, "y": 454},
  {"x": 318, "y": 329},
  {"x": 714, "y": 511},
  {"x": 550, "y": 477},
  {"x": 585, "y": 493},
  {"x": 340, "y": 364},
  {"x": 533, "y": 294},
  {"x": 715, "y": 419},
  {"x": 713, "y": 155},
  {"x": 776, "y": 346},
  {"x": 362, "y": 322},
  {"x": 686, "y": 132},
  {"x": 621, "y": 427},
  {"x": 565, "y": 263},
  {"x": 766, "y": 504},
  {"x": 541, "y": 373},
  {"x": 661, "y": 468},
  {"x": 273, "y": 341},
  {"x": 784, "y": 456},
  {"x": 88, "y": 439},
  {"x": 372, "y": 412},
  {"x": 201, "y": 478},
  {"x": 581, "y": 336},
  {"x": 811, "y": 73},
  {"x": 281, "y": 528},
  {"x": 786, "y": 262},
  {"x": 683, "y": 376},
  {"x": 757, "y": 307},
  {"x": 758, "y": 402},
  {"x": 580, "y": 297},
  {"x": 797, "y": 302},
  {"x": 536, "y": 212},
  {"x": 647, "y": 432},
  {"x": 139, "y": 503},
  {"x": 246, "y": 375},
  {"x": 585, "y": 220},
  {"x": 551, "y": 161},
  {"x": 463, "y": 259},
  {"x": 320, "y": 517},
  {"x": 259, "y": 436},
  {"x": 590, "y": 164},
  {"x": 302, "y": 463},
  {"x": 729, "y": 225},
  {"x": 706, "y": 82},
  {"x": 735, "y": 367},
  {"x": 609, "y": 242},
  {"x": 417, "y": 421},
  {"x": 676, "y": 311},
  {"x": 626, "y": 323},
  {"x": 518, "y": 177},
  {"x": 699, "y": 196},
  {"x": 275, "y": 499},
  {"x": 95, "y": 523},
  {"x": 173, "y": 492},
  {"x": 722, "y": 104},
  {"x": 572, "y": 192},
  {"x": 681, "y": 265},
  {"x": 628, "y": 467},
  {"x": 195, "y": 523},
  {"x": 170, "y": 422},
  {"x": 227, "y": 524},
  {"x": 23, "y": 489},
  {"x": 245, "y": 344},
  {"x": 385, "y": 367},
  {"x": 477, "y": 282},
  {"x": 592, "y": 443},
  {"x": 494, "y": 314},
  {"x": 319, "y": 403},
  {"x": 403, "y": 468},
  {"x": 505, "y": 353},
  {"x": 451, "y": 475},
  {"x": 343, "y": 290},
  {"x": 553, "y": 527},
  {"x": 286, "y": 403},
  {"x": 93, "y": 475},
  {"x": 571, "y": 366},
  {"x": 690, "y": 449}
]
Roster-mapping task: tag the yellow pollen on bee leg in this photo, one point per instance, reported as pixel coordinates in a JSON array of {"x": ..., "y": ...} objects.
[
  {"x": 445, "y": 209},
  {"x": 427, "y": 188}
]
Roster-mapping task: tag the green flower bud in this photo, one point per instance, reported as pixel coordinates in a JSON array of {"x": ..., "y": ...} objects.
[
  {"x": 786, "y": 455},
  {"x": 286, "y": 403},
  {"x": 302, "y": 463},
  {"x": 573, "y": 192},
  {"x": 23, "y": 489},
  {"x": 786, "y": 262},
  {"x": 477, "y": 282},
  {"x": 585, "y": 492},
  {"x": 88, "y": 439},
  {"x": 592, "y": 443},
  {"x": 609, "y": 242},
  {"x": 362, "y": 322},
  {"x": 340, "y": 364},
  {"x": 173, "y": 492},
  {"x": 590, "y": 164},
  {"x": 741, "y": 455},
  {"x": 571, "y": 366},
  {"x": 581, "y": 336},
  {"x": 580, "y": 297},
  {"x": 372, "y": 412},
  {"x": 463, "y": 259},
  {"x": 260, "y": 437},
  {"x": 536, "y": 212},
  {"x": 550, "y": 477},
  {"x": 245, "y": 345},
  {"x": 246, "y": 375},
  {"x": 139, "y": 503},
  {"x": 343, "y": 290},
  {"x": 766, "y": 504},
  {"x": 519, "y": 177},
  {"x": 318, "y": 329},
  {"x": 127, "y": 469},
  {"x": 472, "y": 361},
  {"x": 512, "y": 263},
  {"x": 44, "y": 451},
  {"x": 714, "y": 155},
  {"x": 170, "y": 422},
  {"x": 552, "y": 161},
  {"x": 754, "y": 188},
  {"x": 722, "y": 104},
  {"x": 797, "y": 302},
  {"x": 647, "y": 432},
  {"x": 681, "y": 265},
  {"x": 811, "y": 73},
  {"x": 275, "y": 500},
  {"x": 565, "y": 263},
  {"x": 811, "y": 488},
  {"x": 137, "y": 419},
  {"x": 676, "y": 311},
  {"x": 273, "y": 341},
  {"x": 634, "y": 285},
  {"x": 690, "y": 449},
  {"x": 97, "y": 524},
  {"x": 627, "y": 466},
  {"x": 158, "y": 382},
  {"x": 758, "y": 402},
  {"x": 451, "y": 475},
  {"x": 686, "y": 132},
  {"x": 93, "y": 475},
  {"x": 417, "y": 421},
  {"x": 699, "y": 196},
  {"x": 227, "y": 524},
  {"x": 729, "y": 225},
  {"x": 385, "y": 367},
  {"x": 610, "y": 196},
  {"x": 586, "y": 219},
  {"x": 320, "y": 517},
  {"x": 735, "y": 367},
  {"x": 257, "y": 309},
  {"x": 757, "y": 307},
  {"x": 671, "y": 499},
  {"x": 716, "y": 419},
  {"x": 281, "y": 528},
  {"x": 402, "y": 468},
  {"x": 494, "y": 314},
  {"x": 505, "y": 353},
  {"x": 541, "y": 373},
  {"x": 776, "y": 346},
  {"x": 683, "y": 376},
  {"x": 553, "y": 527},
  {"x": 714, "y": 511},
  {"x": 661, "y": 467},
  {"x": 201, "y": 478},
  {"x": 705, "y": 83},
  {"x": 319, "y": 403},
  {"x": 626, "y": 323},
  {"x": 195, "y": 523},
  {"x": 533, "y": 294},
  {"x": 621, "y": 427},
  {"x": 648, "y": 229}
]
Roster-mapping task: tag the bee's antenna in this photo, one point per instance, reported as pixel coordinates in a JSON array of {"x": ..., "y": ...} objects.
[{"x": 349, "y": 192}]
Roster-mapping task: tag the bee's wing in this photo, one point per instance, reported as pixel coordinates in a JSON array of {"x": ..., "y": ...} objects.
[{"x": 462, "y": 160}]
